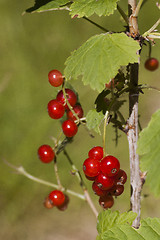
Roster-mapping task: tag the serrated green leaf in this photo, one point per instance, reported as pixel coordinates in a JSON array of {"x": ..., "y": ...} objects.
[
  {"x": 116, "y": 226},
  {"x": 94, "y": 120},
  {"x": 47, "y": 5},
  {"x": 148, "y": 148},
  {"x": 99, "y": 59},
  {"x": 89, "y": 7}
]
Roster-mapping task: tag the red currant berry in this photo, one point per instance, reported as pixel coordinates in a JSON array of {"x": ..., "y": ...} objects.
[
  {"x": 110, "y": 165},
  {"x": 91, "y": 167},
  {"x": 57, "y": 197},
  {"x": 90, "y": 178},
  {"x": 151, "y": 64},
  {"x": 97, "y": 190},
  {"x": 117, "y": 190},
  {"x": 48, "y": 203},
  {"x": 71, "y": 97},
  {"x": 96, "y": 152},
  {"x": 46, "y": 153},
  {"x": 64, "y": 206},
  {"x": 55, "y": 78},
  {"x": 104, "y": 182},
  {"x": 78, "y": 110},
  {"x": 55, "y": 109},
  {"x": 69, "y": 128},
  {"x": 106, "y": 201},
  {"x": 121, "y": 177}
]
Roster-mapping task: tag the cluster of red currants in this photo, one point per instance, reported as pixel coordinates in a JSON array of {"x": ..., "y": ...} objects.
[
  {"x": 108, "y": 179},
  {"x": 57, "y": 107}
]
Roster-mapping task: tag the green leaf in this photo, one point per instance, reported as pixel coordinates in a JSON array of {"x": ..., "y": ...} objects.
[
  {"x": 148, "y": 148},
  {"x": 116, "y": 226},
  {"x": 94, "y": 120},
  {"x": 89, "y": 7},
  {"x": 47, "y": 5},
  {"x": 99, "y": 59}
]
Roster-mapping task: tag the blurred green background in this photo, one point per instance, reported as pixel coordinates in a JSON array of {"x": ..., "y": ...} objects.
[{"x": 30, "y": 46}]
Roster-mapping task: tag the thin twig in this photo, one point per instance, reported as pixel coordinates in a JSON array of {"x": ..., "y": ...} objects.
[
  {"x": 106, "y": 120},
  {"x": 82, "y": 184},
  {"x": 152, "y": 28},
  {"x": 124, "y": 16},
  {"x": 97, "y": 25},
  {"x": 56, "y": 173},
  {"x": 136, "y": 12},
  {"x": 23, "y": 172}
]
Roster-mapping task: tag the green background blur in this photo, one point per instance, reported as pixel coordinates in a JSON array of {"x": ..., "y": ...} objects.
[{"x": 30, "y": 46}]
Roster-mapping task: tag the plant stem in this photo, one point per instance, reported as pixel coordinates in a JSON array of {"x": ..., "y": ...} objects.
[
  {"x": 135, "y": 179},
  {"x": 82, "y": 184},
  {"x": 138, "y": 8},
  {"x": 104, "y": 132},
  {"x": 23, "y": 172},
  {"x": 97, "y": 25},
  {"x": 56, "y": 174},
  {"x": 124, "y": 16},
  {"x": 133, "y": 24}
]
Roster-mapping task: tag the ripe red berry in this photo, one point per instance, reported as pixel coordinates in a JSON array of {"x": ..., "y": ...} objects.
[
  {"x": 48, "y": 203},
  {"x": 64, "y": 206},
  {"x": 57, "y": 197},
  {"x": 151, "y": 64},
  {"x": 78, "y": 110},
  {"x": 69, "y": 128},
  {"x": 46, "y": 153},
  {"x": 55, "y": 109},
  {"x": 97, "y": 190},
  {"x": 117, "y": 190},
  {"x": 110, "y": 165},
  {"x": 96, "y": 152},
  {"x": 71, "y": 97},
  {"x": 91, "y": 167},
  {"x": 90, "y": 178},
  {"x": 121, "y": 177},
  {"x": 104, "y": 182},
  {"x": 55, "y": 78},
  {"x": 106, "y": 201}
]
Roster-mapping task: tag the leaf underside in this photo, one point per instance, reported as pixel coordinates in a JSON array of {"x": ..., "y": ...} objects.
[
  {"x": 116, "y": 226},
  {"x": 149, "y": 149},
  {"x": 94, "y": 120},
  {"x": 87, "y": 8},
  {"x": 100, "y": 58}
]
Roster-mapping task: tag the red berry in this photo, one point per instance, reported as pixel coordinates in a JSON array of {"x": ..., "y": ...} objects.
[
  {"x": 64, "y": 206},
  {"x": 110, "y": 165},
  {"x": 121, "y": 177},
  {"x": 91, "y": 167},
  {"x": 117, "y": 190},
  {"x": 104, "y": 182},
  {"x": 78, "y": 110},
  {"x": 90, "y": 178},
  {"x": 71, "y": 97},
  {"x": 55, "y": 109},
  {"x": 57, "y": 197},
  {"x": 48, "y": 203},
  {"x": 151, "y": 64},
  {"x": 96, "y": 152},
  {"x": 69, "y": 128},
  {"x": 55, "y": 78},
  {"x": 97, "y": 190},
  {"x": 46, "y": 153},
  {"x": 106, "y": 201}
]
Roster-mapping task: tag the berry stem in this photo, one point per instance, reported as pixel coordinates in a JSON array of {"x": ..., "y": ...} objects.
[
  {"x": 23, "y": 172},
  {"x": 82, "y": 184},
  {"x": 106, "y": 121},
  {"x": 152, "y": 28},
  {"x": 56, "y": 174}
]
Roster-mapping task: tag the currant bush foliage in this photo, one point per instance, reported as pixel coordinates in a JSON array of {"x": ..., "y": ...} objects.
[
  {"x": 116, "y": 226},
  {"x": 100, "y": 58},
  {"x": 89, "y": 7},
  {"x": 148, "y": 148}
]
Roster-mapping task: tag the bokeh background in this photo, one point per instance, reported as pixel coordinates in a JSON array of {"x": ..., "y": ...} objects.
[{"x": 30, "y": 46}]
